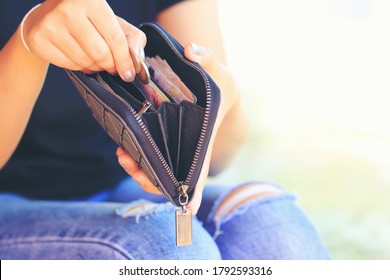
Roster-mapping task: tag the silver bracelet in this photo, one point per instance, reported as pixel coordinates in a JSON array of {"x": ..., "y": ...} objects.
[{"x": 22, "y": 27}]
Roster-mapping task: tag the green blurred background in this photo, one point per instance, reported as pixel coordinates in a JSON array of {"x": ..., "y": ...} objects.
[{"x": 315, "y": 81}]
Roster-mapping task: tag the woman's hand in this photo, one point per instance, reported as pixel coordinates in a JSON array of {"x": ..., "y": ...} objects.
[
  {"x": 83, "y": 35},
  {"x": 222, "y": 145},
  {"x": 132, "y": 168},
  {"x": 229, "y": 94}
]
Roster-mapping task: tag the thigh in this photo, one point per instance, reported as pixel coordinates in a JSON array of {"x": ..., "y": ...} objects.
[
  {"x": 269, "y": 226},
  {"x": 95, "y": 230}
]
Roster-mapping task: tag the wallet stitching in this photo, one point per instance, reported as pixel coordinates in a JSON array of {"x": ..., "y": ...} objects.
[
  {"x": 133, "y": 138},
  {"x": 135, "y": 141}
]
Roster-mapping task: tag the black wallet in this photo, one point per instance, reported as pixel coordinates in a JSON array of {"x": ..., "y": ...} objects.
[{"x": 169, "y": 143}]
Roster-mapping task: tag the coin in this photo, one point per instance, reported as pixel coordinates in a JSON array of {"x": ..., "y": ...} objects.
[{"x": 143, "y": 72}]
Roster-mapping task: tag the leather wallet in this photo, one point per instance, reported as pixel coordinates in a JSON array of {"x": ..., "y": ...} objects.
[{"x": 169, "y": 143}]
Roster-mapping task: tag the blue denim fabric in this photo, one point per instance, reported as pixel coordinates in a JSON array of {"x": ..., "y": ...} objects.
[{"x": 98, "y": 228}]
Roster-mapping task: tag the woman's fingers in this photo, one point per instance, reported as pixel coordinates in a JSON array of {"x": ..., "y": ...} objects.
[
  {"x": 131, "y": 167},
  {"x": 87, "y": 33},
  {"x": 140, "y": 178},
  {"x": 204, "y": 56},
  {"x": 72, "y": 50},
  {"x": 117, "y": 49},
  {"x": 93, "y": 45}
]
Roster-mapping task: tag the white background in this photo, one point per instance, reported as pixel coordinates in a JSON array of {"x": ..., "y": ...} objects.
[{"x": 315, "y": 79}]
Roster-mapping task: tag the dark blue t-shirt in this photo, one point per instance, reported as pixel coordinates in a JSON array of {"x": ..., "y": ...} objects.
[{"x": 64, "y": 153}]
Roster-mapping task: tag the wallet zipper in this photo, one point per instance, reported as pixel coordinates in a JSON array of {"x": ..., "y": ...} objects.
[
  {"x": 206, "y": 115},
  {"x": 145, "y": 106},
  {"x": 138, "y": 116}
]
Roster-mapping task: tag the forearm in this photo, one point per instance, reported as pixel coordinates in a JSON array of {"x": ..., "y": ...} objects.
[
  {"x": 232, "y": 133},
  {"x": 21, "y": 78}
]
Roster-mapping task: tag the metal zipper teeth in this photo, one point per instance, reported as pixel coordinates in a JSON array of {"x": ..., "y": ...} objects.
[
  {"x": 101, "y": 82},
  {"x": 208, "y": 105}
]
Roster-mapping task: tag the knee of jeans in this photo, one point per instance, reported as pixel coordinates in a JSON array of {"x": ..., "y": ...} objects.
[
  {"x": 153, "y": 234},
  {"x": 237, "y": 200}
]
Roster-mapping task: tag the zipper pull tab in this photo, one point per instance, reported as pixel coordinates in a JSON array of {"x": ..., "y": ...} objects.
[
  {"x": 183, "y": 219},
  {"x": 145, "y": 106}
]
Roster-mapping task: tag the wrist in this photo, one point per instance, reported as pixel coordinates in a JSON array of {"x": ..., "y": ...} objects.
[
  {"x": 29, "y": 59},
  {"x": 230, "y": 97},
  {"x": 22, "y": 29}
]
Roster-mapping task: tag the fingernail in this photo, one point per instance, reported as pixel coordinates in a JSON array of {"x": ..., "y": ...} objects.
[
  {"x": 138, "y": 181},
  {"x": 119, "y": 151},
  {"x": 196, "y": 49},
  {"x": 124, "y": 165},
  {"x": 128, "y": 76},
  {"x": 141, "y": 53}
]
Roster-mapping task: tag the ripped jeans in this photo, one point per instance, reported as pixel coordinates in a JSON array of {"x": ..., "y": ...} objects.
[{"x": 127, "y": 223}]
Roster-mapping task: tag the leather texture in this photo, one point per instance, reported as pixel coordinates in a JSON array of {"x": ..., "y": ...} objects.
[{"x": 169, "y": 144}]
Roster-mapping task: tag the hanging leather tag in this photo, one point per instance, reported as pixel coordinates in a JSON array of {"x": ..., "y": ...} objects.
[{"x": 183, "y": 227}]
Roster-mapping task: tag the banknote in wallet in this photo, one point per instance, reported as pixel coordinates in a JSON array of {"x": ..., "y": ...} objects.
[
  {"x": 165, "y": 85},
  {"x": 163, "y": 75}
]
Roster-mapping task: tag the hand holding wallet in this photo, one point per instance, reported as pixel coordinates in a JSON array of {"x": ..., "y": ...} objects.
[{"x": 169, "y": 137}]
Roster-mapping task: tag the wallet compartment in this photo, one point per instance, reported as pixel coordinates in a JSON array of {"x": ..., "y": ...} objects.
[
  {"x": 156, "y": 128},
  {"x": 190, "y": 126},
  {"x": 127, "y": 91},
  {"x": 171, "y": 114}
]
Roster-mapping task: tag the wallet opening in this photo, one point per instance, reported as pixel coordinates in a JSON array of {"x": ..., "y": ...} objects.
[
  {"x": 172, "y": 125},
  {"x": 189, "y": 75},
  {"x": 169, "y": 142}
]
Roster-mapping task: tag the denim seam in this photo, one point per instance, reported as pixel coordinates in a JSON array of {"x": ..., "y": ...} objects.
[{"x": 120, "y": 250}]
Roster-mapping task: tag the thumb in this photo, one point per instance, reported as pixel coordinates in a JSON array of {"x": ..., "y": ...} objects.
[{"x": 204, "y": 56}]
